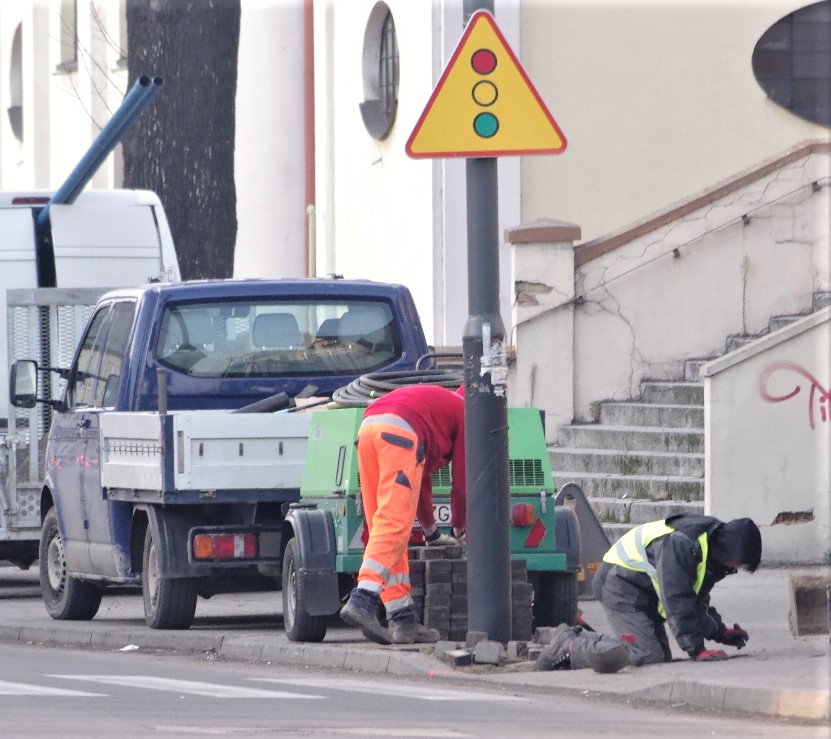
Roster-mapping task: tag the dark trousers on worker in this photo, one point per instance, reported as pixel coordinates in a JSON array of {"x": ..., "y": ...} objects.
[{"x": 639, "y": 626}]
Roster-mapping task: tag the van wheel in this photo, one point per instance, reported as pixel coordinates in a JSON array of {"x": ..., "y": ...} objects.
[
  {"x": 299, "y": 625},
  {"x": 169, "y": 602},
  {"x": 555, "y": 598},
  {"x": 66, "y": 598}
]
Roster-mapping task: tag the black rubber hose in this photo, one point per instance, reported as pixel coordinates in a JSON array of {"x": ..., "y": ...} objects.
[{"x": 363, "y": 390}]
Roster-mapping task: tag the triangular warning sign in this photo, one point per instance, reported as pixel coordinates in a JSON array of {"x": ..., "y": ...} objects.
[{"x": 484, "y": 105}]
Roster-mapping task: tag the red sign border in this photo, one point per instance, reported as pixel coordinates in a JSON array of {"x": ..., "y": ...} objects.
[{"x": 440, "y": 84}]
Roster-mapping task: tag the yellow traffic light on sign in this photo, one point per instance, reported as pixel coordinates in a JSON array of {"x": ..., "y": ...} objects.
[{"x": 484, "y": 105}]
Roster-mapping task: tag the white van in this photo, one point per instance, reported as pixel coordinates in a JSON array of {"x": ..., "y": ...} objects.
[{"x": 104, "y": 239}]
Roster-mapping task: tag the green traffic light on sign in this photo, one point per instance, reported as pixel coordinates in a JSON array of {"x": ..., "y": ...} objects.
[{"x": 486, "y": 125}]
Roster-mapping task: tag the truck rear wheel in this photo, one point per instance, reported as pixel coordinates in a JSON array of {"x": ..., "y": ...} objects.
[
  {"x": 66, "y": 598},
  {"x": 555, "y": 598},
  {"x": 169, "y": 602},
  {"x": 299, "y": 625}
]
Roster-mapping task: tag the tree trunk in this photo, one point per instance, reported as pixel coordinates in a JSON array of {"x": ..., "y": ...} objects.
[{"x": 182, "y": 145}]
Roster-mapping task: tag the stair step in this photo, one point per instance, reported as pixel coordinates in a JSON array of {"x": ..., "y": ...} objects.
[
  {"x": 639, "y": 487},
  {"x": 781, "y": 321},
  {"x": 621, "y": 462},
  {"x": 631, "y": 438},
  {"x": 672, "y": 393},
  {"x": 691, "y": 367},
  {"x": 633, "y": 413},
  {"x": 636, "y": 512},
  {"x": 737, "y": 342},
  {"x": 822, "y": 299}
]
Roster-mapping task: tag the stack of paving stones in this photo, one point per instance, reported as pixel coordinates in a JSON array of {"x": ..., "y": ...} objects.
[{"x": 438, "y": 576}]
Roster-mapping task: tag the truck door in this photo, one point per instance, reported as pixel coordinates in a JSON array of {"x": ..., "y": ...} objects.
[
  {"x": 70, "y": 432},
  {"x": 85, "y": 515},
  {"x": 108, "y": 522}
]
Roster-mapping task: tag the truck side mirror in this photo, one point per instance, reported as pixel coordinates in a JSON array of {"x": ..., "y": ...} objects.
[{"x": 23, "y": 382}]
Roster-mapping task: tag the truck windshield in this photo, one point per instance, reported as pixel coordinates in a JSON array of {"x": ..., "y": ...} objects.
[{"x": 260, "y": 338}]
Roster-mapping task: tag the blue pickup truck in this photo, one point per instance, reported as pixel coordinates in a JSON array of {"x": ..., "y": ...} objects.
[{"x": 168, "y": 461}]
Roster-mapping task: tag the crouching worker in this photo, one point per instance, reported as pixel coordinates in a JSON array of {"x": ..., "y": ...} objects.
[
  {"x": 405, "y": 436},
  {"x": 663, "y": 571}
]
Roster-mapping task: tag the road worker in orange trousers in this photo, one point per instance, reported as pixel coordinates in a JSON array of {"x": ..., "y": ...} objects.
[{"x": 405, "y": 436}]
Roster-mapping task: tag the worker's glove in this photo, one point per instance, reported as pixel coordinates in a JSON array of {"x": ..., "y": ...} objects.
[
  {"x": 710, "y": 655},
  {"x": 735, "y": 637}
]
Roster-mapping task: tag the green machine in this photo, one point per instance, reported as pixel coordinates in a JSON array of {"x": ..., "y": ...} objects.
[{"x": 323, "y": 540}]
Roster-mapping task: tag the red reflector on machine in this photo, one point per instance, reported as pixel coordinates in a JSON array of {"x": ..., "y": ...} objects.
[
  {"x": 523, "y": 514},
  {"x": 225, "y": 546},
  {"x": 536, "y": 535}
]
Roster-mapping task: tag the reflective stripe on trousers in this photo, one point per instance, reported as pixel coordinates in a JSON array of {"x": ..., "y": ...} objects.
[{"x": 391, "y": 466}]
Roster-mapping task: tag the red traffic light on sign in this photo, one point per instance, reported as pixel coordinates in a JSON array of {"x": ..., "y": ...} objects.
[{"x": 484, "y": 104}]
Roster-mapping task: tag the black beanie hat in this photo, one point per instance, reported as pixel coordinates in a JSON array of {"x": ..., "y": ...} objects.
[{"x": 738, "y": 540}]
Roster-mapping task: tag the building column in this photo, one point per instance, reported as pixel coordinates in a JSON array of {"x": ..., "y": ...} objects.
[{"x": 542, "y": 275}]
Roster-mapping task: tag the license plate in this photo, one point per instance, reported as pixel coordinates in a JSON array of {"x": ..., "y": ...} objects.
[{"x": 442, "y": 513}]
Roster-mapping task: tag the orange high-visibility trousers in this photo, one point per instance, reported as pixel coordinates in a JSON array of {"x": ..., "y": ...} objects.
[{"x": 391, "y": 464}]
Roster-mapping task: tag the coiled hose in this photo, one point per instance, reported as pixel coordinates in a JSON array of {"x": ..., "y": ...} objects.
[{"x": 364, "y": 389}]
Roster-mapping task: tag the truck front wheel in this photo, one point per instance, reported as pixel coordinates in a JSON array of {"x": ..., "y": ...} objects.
[
  {"x": 555, "y": 598},
  {"x": 169, "y": 602},
  {"x": 66, "y": 598},
  {"x": 299, "y": 625}
]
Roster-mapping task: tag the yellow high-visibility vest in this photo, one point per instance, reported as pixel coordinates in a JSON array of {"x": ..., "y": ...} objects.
[{"x": 629, "y": 552}]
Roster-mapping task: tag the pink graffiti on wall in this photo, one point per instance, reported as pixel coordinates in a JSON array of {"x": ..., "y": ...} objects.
[{"x": 818, "y": 397}]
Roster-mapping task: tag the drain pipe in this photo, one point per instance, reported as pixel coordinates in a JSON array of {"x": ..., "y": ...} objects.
[{"x": 309, "y": 131}]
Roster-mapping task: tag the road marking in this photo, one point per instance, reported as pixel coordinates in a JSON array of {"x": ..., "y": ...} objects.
[
  {"x": 379, "y": 687},
  {"x": 25, "y": 689},
  {"x": 192, "y": 687}
]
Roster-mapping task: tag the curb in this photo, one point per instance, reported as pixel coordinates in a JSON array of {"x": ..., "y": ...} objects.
[{"x": 811, "y": 705}]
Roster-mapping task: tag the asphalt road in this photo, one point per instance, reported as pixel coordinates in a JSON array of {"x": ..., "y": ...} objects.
[{"x": 51, "y": 692}]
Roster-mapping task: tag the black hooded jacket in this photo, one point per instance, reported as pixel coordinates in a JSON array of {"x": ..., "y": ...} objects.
[{"x": 676, "y": 557}]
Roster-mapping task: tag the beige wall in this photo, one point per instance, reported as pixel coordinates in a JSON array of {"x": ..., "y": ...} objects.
[
  {"x": 768, "y": 439},
  {"x": 657, "y": 100}
]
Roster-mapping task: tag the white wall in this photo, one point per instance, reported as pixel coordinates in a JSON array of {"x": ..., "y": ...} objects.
[
  {"x": 657, "y": 100},
  {"x": 642, "y": 311},
  {"x": 382, "y": 215},
  {"x": 646, "y": 311},
  {"x": 768, "y": 439},
  {"x": 63, "y": 110}
]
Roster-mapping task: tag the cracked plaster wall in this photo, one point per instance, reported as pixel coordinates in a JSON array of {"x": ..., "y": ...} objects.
[{"x": 647, "y": 309}]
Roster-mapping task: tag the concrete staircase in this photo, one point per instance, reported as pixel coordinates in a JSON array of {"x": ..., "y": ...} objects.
[{"x": 644, "y": 458}]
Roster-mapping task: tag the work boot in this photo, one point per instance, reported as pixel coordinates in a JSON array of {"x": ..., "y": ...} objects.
[
  {"x": 361, "y": 610},
  {"x": 611, "y": 660},
  {"x": 406, "y": 629},
  {"x": 556, "y": 655},
  {"x": 440, "y": 540}
]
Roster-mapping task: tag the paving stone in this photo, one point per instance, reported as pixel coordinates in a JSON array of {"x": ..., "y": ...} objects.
[
  {"x": 517, "y": 649},
  {"x": 457, "y": 657},
  {"x": 488, "y": 652},
  {"x": 472, "y": 638}
]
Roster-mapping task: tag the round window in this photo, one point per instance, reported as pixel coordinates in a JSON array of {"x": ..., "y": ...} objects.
[
  {"x": 792, "y": 62},
  {"x": 380, "y": 72}
]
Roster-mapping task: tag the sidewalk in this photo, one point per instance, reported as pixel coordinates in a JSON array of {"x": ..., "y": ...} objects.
[{"x": 776, "y": 674}]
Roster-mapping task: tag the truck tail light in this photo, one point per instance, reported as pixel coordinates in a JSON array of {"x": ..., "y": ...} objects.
[
  {"x": 536, "y": 535},
  {"x": 523, "y": 514},
  {"x": 224, "y": 546}
]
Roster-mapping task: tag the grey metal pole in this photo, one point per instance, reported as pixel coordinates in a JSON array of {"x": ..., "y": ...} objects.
[{"x": 486, "y": 410}]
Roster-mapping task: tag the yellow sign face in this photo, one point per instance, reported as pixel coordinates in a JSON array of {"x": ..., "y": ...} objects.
[{"x": 484, "y": 105}]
